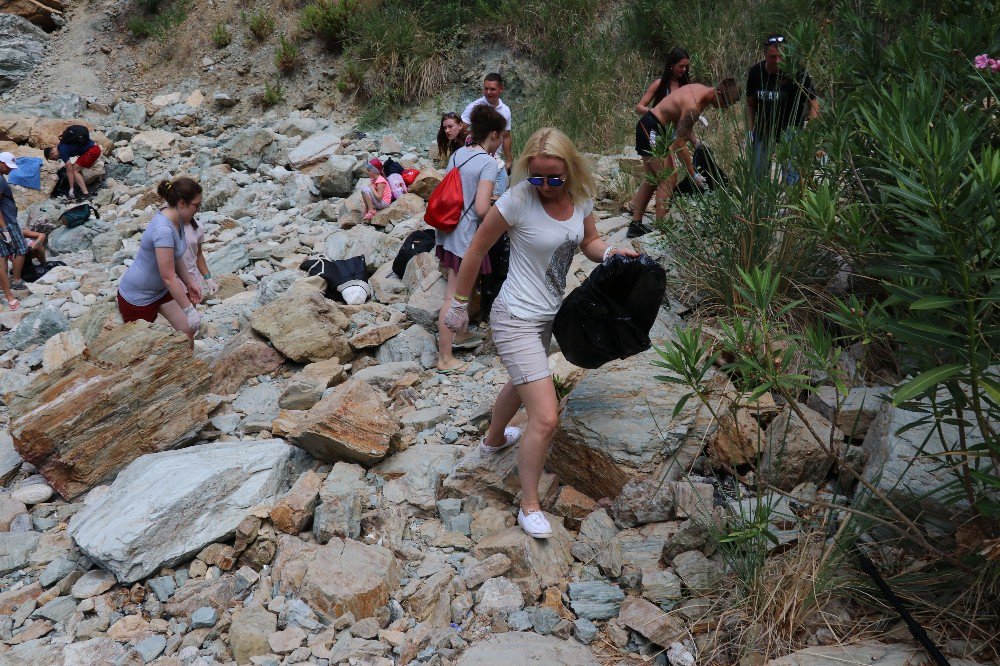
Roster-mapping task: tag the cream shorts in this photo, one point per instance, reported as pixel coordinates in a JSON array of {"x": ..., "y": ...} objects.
[{"x": 523, "y": 345}]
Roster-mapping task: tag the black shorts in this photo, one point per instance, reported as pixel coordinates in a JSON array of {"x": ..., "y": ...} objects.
[{"x": 647, "y": 130}]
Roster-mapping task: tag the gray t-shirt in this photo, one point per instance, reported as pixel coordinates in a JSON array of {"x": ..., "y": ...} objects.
[
  {"x": 8, "y": 207},
  {"x": 141, "y": 284},
  {"x": 476, "y": 165}
]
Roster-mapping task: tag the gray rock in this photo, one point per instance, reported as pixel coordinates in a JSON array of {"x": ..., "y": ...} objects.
[
  {"x": 276, "y": 284},
  {"x": 38, "y": 326},
  {"x": 58, "y": 610},
  {"x": 515, "y": 647},
  {"x": 246, "y": 147},
  {"x": 56, "y": 570},
  {"x": 105, "y": 244},
  {"x": 792, "y": 455},
  {"x": 22, "y": 48},
  {"x": 296, "y": 613},
  {"x": 428, "y": 417},
  {"x": 856, "y": 410},
  {"x": 661, "y": 587},
  {"x": 335, "y": 177},
  {"x": 15, "y": 550},
  {"x": 64, "y": 240},
  {"x": 342, "y": 497},
  {"x": 230, "y": 258},
  {"x": 519, "y": 621},
  {"x": 595, "y": 600},
  {"x": 130, "y": 115},
  {"x": 151, "y": 648},
  {"x": 375, "y": 246},
  {"x": 92, "y": 583},
  {"x": 163, "y": 587},
  {"x": 413, "y": 344},
  {"x": 384, "y": 375},
  {"x": 167, "y": 506},
  {"x": 543, "y": 619},
  {"x": 424, "y": 303},
  {"x": 10, "y": 459},
  {"x": 699, "y": 573},
  {"x": 260, "y": 401},
  {"x": 584, "y": 630},
  {"x": 596, "y": 532},
  {"x": 500, "y": 595},
  {"x": 206, "y": 616}
]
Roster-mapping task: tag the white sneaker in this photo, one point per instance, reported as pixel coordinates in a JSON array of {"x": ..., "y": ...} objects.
[
  {"x": 511, "y": 435},
  {"x": 534, "y": 524}
]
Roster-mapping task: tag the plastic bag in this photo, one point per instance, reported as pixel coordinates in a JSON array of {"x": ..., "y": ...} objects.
[
  {"x": 338, "y": 273},
  {"x": 609, "y": 316}
]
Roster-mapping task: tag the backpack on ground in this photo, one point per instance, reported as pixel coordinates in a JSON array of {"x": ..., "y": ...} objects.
[
  {"x": 78, "y": 215},
  {"x": 397, "y": 185},
  {"x": 62, "y": 184},
  {"x": 77, "y": 135},
  {"x": 446, "y": 206},
  {"x": 417, "y": 242},
  {"x": 391, "y": 166}
]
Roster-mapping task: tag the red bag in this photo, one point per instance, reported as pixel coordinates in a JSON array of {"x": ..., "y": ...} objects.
[
  {"x": 409, "y": 175},
  {"x": 446, "y": 205}
]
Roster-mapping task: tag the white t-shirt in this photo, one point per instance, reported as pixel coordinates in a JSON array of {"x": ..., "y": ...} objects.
[
  {"x": 500, "y": 108},
  {"x": 541, "y": 250}
]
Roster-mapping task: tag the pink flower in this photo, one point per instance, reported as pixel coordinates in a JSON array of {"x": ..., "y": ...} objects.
[
  {"x": 982, "y": 61},
  {"x": 995, "y": 65}
]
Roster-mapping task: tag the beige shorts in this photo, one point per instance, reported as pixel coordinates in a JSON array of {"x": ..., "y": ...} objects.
[{"x": 523, "y": 345}]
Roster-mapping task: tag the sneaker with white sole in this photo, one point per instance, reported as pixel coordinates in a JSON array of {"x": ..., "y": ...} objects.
[
  {"x": 511, "y": 435},
  {"x": 535, "y": 524}
]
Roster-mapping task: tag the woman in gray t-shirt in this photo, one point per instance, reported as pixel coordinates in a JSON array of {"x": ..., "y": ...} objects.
[
  {"x": 478, "y": 170},
  {"x": 157, "y": 282}
]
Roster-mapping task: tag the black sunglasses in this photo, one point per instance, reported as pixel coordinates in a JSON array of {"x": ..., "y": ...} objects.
[
  {"x": 777, "y": 39},
  {"x": 553, "y": 181}
]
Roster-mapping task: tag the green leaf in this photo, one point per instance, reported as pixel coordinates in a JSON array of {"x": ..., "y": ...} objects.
[
  {"x": 992, "y": 388},
  {"x": 925, "y": 381},
  {"x": 934, "y": 302},
  {"x": 680, "y": 404}
]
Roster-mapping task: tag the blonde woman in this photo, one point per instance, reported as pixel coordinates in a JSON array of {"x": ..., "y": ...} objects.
[{"x": 548, "y": 214}]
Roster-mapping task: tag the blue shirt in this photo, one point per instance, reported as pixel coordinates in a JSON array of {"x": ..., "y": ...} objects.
[
  {"x": 69, "y": 150},
  {"x": 8, "y": 207}
]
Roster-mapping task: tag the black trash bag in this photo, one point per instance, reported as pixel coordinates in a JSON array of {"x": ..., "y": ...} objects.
[
  {"x": 338, "y": 273},
  {"x": 609, "y": 316},
  {"x": 489, "y": 284},
  {"x": 416, "y": 243},
  {"x": 61, "y": 188},
  {"x": 705, "y": 164},
  {"x": 32, "y": 271}
]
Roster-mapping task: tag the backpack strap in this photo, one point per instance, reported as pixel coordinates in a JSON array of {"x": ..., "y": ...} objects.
[{"x": 459, "y": 169}]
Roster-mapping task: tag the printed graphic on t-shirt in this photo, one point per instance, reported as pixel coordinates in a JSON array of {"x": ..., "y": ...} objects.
[
  {"x": 769, "y": 95},
  {"x": 555, "y": 275}
]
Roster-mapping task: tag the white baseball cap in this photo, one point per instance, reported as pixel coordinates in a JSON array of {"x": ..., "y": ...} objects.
[{"x": 8, "y": 159}]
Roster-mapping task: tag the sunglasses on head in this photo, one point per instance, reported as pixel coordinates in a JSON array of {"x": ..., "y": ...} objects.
[
  {"x": 777, "y": 39},
  {"x": 553, "y": 181}
]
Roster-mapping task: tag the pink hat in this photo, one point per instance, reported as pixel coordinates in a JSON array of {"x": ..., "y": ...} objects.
[
  {"x": 8, "y": 159},
  {"x": 376, "y": 163}
]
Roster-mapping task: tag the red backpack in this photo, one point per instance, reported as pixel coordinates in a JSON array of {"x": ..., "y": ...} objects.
[{"x": 446, "y": 206}]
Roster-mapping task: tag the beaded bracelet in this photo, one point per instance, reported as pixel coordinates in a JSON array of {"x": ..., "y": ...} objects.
[{"x": 607, "y": 253}]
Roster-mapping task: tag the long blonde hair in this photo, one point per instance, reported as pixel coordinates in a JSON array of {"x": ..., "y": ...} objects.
[{"x": 550, "y": 142}]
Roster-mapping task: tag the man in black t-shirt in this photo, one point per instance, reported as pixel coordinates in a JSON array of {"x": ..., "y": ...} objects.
[{"x": 776, "y": 102}]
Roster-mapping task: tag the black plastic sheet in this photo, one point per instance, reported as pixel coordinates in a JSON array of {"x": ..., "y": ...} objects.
[{"x": 610, "y": 315}]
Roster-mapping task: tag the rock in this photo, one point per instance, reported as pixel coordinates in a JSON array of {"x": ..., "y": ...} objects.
[
  {"x": 499, "y": 595},
  {"x": 46, "y": 14},
  {"x": 907, "y": 467},
  {"x": 374, "y": 335},
  {"x": 275, "y": 285},
  {"x": 596, "y": 532},
  {"x": 259, "y": 401},
  {"x": 58, "y": 610},
  {"x": 64, "y": 240},
  {"x": 428, "y": 417},
  {"x": 425, "y": 183},
  {"x": 651, "y": 500},
  {"x": 344, "y": 576},
  {"x": 737, "y": 440},
  {"x": 351, "y": 423},
  {"x": 34, "y": 493},
  {"x": 243, "y": 357},
  {"x": 595, "y": 600},
  {"x": 92, "y": 583},
  {"x": 95, "y": 651},
  {"x": 283, "y": 642},
  {"x": 95, "y": 415},
  {"x": 871, "y": 653},
  {"x": 60, "y": 348},
  {"x": 245, "y": 150},
  {"x": 229, "y": 258},
  {"x": 202, "y": 494},
  {"x": 305, "y": 327},
  {"x": 10, "y": 459},
  {"x": 492, "y": 567},
  {"x": 163, "y": 587},
  {"x": 698, "y": 572},
  {"x": 342, "y": 498},
  {"x": 335, "y": 176},
  {"x": 376, "y": 247},
  {"x": 425, "y": 302},
  {"x": 37, "y": 327},
  {"x": 293, "y": 512},
  {"x": 647, "y": 619},
  {"x": 158, "y": 140},
  {"x": 151, "y": 648},
  {"x": 612, "y": 427},
  {"x": 405, "y": 207},
  {"x": 10, "y": 509},
  {"x": 206, "y": 616},
  {"x": 413, "y": 344},
  {"x": 661, "y": 587},
  {"x": 313, "y": 149},
  {"x": 248, "y": 632},
  {"x": 793, "y": 455},
  {"x": 24, "y": 47},
  {"x": 517, "y": 647},
  {"x": 15, "y": 549},
  {"x": 573, "y": 505},
  {"x": 584, "y": 630},
  {"x": 857, "y": 409},
  {"x": 546, "y": 559}
]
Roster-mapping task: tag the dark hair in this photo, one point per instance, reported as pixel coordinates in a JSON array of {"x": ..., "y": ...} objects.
[
  {"x": 494, "y": 76},
  {"x": 51, "y": 153},
  {"x": 728, "y": 92},
  {"x": 180, "y": 189},
  {"x": 445, "y": 146},
  {"x": 485, "y": 119},
  {"x": 675, "y": 56}
]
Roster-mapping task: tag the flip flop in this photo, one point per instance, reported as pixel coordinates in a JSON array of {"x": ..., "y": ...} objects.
[
  {"x": 14, "y": 305},
  {"x": 456, "y": 370}
]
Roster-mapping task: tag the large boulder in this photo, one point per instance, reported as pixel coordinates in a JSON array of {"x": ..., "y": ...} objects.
[
  {"x": 375, "y": 246},
  {"x": 245, "y": 149},
  {"x": 136, "y": 390},
  {"x": 46, "y": 14},
  {"x": 22, "y": 48},
  {"x": 37, "y": 327},
  {"x": 617, "y": 423},
  {"x": 793, "y": 455},
  {"x": 65, "y": 240},
  {"x": 167, "y": 506},
  {"x": 315, "y": 148},
  {"x": 518, "y": 647},
  {"x": 335, "y": 176},
  {"x": 350, "y": 423},
  {"x": 305, "y": 327},
  {"x": 548, "y": 560}
]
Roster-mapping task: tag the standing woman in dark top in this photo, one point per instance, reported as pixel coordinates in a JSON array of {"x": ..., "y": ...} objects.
[
  {"x": 451, "y": 136},
  {"x": 675, "y": 74}
]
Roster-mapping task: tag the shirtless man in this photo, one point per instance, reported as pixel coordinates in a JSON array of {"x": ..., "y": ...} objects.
[{"x": 680, "y": 110}]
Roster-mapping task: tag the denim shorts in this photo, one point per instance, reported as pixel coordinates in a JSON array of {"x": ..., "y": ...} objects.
[{"x": 523, "y": 345}]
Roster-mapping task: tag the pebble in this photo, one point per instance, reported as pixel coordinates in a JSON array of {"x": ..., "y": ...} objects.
[
  {"x": 35, "y": 493},
  {"x": 93, "y": 583},
  {"x": 151, "y": 648},
  {"x": 206, "y": 616}
]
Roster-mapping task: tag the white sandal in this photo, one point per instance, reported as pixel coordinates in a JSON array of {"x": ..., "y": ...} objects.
[{"x": 511, "y": 434}]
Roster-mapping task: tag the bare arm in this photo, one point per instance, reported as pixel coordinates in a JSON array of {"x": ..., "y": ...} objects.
[
  {"x": 642, "y": 108},
  {"x": 508, "y": 149},
  {"x": 593, "y": 247},
  {"x": 484, "y": 198},
  {"x": 202, "y": 264},
  {"x": 751, "y": 112},
  {"x": 813, "y": 108},
  {"x": 172, "y": 274},
  {"x": 489, "y": 232}
]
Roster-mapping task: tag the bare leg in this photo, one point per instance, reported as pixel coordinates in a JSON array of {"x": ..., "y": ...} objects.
[
  {"x": 666, "y": 188},
  {"x": 369, "y": 203},
  {"x": 18, "y": 267},
  {"x": 76, "y": 173},
  {"x": 4, "y": 281},
  {"x": 446, "y": 360},
  {"x": 504, "y": 409},
  {"x": 539, "y": 398},
  {"x": 174, "y": 314},
  {"x": 641, "y": 197}
]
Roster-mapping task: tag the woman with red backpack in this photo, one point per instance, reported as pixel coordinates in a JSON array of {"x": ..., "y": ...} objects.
[{"x": 477, "y": 170}]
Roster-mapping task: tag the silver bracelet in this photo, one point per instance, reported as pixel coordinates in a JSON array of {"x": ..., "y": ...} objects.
[{"x": 607, "y": 253}]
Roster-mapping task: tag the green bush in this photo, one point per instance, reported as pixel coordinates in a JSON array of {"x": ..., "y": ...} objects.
[
  {"x": 273, "y": 95},
  {"x": 260, "y": 22},
  {"x": 221, "y": 36},
  {"x": 140, "y": 27},
  {"x": 286, "y": 56},
  {"x": 157, "y": 20},
  {"x": 328, "y": 20}
]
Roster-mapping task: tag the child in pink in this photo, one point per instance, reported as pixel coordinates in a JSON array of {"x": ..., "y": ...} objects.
[{"x": 378, "y": 195}]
